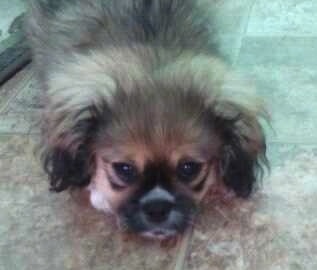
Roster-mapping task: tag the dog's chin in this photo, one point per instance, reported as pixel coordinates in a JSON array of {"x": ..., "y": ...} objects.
[{"x": 150, "y": 231}]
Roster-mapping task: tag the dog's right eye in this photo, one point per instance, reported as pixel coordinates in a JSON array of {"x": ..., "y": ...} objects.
[
  {"x": 188, "y": 170},
  {"x": 125, "y": 171}
]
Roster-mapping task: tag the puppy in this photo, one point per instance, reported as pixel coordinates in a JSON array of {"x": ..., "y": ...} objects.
[{"x": 138, "y": 110}]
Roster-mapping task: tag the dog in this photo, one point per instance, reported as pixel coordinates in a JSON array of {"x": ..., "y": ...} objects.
[{"x": 137, "y": 111}]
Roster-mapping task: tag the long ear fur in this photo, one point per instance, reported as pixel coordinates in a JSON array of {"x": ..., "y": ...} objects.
[
  {"x": 68, "y": 159},
  {"x": 243, "y": 153}
]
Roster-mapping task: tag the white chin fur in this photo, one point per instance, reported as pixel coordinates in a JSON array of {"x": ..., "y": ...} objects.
[{"x": 98, "y": 200}]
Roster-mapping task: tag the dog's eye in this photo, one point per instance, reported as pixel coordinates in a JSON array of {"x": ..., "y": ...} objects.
[
  {"x": 125, "y": 171},
  {"x": 188, "y": 170}
]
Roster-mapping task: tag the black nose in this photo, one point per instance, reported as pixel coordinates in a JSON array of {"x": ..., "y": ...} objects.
[{"x": 157, "y": 210}]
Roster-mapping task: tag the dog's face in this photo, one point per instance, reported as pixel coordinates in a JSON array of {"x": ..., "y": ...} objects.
[
  {"x": 155, "y": 160},
  {"x": 153, "y": 195}
]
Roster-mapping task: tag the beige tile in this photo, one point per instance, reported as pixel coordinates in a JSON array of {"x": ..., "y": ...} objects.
[
  {"x": 27, "y": 99},
  {"x": 42, "y": 230},
  {"x": 18, "y": 124},
  {"x": 276, "y": 229}
]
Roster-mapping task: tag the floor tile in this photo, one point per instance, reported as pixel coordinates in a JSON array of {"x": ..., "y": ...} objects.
[
  {"x": 228, "y": 20},
  {"x": 291, "y": 98},
  {"x": 230, "y": 16},
  {"x": 297, "y": 51},
  {"x": 11, "y": 88},
  {"x": 60, "y": 231},
  {"x": 18, "y": 123},
  {"x": 278, "y": 152},
  {"x": 274, "y": 230},
  {"x": 26, "y": 100},
  {"x": 283, "y": 18},
  {"x": 286, "y": 77}
]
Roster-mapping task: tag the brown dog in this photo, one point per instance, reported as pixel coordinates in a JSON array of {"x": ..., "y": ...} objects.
[{"x": 137, "y": 109}]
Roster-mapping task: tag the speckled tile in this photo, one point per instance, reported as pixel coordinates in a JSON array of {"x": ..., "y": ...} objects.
[
  {"x": 42, "y": 230},
  {"x": 229, "y": 16},
  {"x": 19, "y": 100},
  {"x": 283, "y": 18},
  {"x": 228, "y": 23},
  {"x": 278, "y": 152},
  {"x": 291, "y": 97},
  {"x": 10, "y": 89},
  {"x": 276, "y": 229},
  {"x": 283, "y": 50},
  {"x": 26, "y": 100},
  {"x": 286, "y": 76},
  {"x": 18, "y": 124}
]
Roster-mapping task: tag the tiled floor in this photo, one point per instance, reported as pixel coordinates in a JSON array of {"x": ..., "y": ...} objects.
[{"x": 274, "y": 43}]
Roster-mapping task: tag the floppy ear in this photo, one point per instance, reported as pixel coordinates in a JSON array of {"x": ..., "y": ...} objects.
[
  {"x": 243, "y": 151},
  {"x": 67, "y": 157}
]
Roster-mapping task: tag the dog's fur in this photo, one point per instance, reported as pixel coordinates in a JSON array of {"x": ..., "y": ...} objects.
[{"x": 134, "y": 81}]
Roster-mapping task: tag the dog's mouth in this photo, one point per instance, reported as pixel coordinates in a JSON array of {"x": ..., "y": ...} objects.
[
  {"x": 159, "y": 233},
  {"x": 138, "y": 224}
]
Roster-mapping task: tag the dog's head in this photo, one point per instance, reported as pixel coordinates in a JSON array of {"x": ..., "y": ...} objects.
[{"x": 149, "y": 150}]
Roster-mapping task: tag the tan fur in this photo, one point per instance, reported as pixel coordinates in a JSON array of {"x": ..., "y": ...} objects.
[{"x": 101, "y": 184}]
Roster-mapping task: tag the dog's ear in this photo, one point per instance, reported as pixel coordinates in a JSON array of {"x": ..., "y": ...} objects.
[
  {"x": 242, "y": 157},
  {"x": 67, "y": 157}
]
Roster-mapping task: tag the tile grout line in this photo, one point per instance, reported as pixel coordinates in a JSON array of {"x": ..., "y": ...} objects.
[
  {"x": 243, "y": 32},
  {"x": 183, "y": 249},
  {"x": 246, "y": 23}
]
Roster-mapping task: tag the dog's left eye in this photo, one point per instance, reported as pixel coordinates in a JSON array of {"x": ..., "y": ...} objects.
[
  {"x": 188, "y": 170},
  {"x": 126, "y": 172}
]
